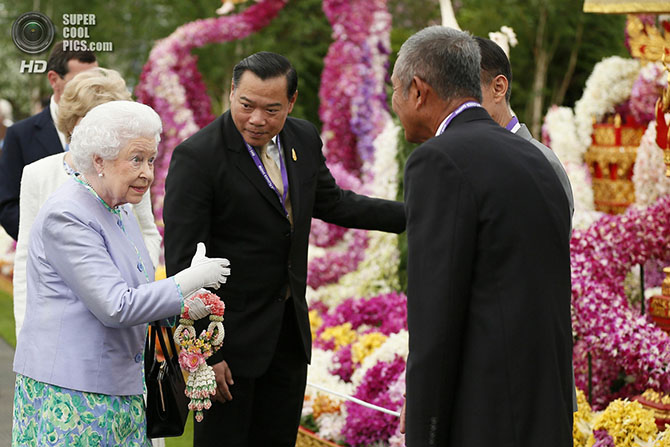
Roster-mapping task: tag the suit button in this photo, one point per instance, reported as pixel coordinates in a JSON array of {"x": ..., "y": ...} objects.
[
  {"x": 138, "y": 357},
  {"x": 287, "y": 234}
]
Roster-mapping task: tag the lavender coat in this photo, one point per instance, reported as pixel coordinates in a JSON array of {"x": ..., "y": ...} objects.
[{"x": 88, "y": 298}]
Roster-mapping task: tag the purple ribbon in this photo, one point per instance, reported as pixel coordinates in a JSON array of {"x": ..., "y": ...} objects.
[
  {"x": 455, "y": 113},
  {"x": 513, "y": 122},
  {"x": 284, "y": 175}
]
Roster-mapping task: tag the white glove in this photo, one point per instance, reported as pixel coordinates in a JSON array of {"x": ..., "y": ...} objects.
[
  {"x": 197, "y": 309},
  {"x": 203, "y": 272}
]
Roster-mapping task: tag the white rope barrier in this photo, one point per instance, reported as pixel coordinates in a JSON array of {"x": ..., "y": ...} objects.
[{"x": 355, "y": 400}]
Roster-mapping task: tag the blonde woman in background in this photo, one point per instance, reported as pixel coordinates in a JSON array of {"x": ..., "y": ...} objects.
[{"x": 41, "y": 178}]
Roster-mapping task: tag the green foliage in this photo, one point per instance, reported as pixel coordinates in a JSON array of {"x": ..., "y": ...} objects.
[
  {"x": 281, "y": 36},
  {"x": 7, "y": 327},
  {"x": 309, "y": 423},
  {"x": 185, "y": 440},
  {"x": 134, "y": 25},
  {"x": 405, "y": 148},
  {"x": 603, "y": 35}
]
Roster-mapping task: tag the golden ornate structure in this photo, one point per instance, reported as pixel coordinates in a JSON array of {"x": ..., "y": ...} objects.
[
  {"x": 647, "y": 43},
  {"x": 662, "y": 127},
  {"x": 626, "y": 6},
  {"x": 308, "y": 439},
  {"x": 659, "y": 404},
  {"x": 610, "y": 159}
]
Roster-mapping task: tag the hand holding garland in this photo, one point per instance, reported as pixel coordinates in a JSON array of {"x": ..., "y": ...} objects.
[{"x": 201, "y": 383}]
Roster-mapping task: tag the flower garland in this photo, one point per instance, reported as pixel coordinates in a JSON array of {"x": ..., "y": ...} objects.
[
  {"x": 560, "y": 133},
  {"x": 352, "y": 88},
  {"x": 171, "y": 84},
  {"x": 377, "y": 258},
  {"x": 386, "y": 313},
  {"x": 201, "y": 383},
  {"x": 601, "y": 258},
  {"x": 649, "y": 171},
  {"x": 369, "y": 334},
  {"x": 610, "y": 84},
  {"x": 353, "y": 109},
  {"x": 622, "y": 424},
  {"x": 647, "y": 88},
  {"x": 365, "y": 426}
]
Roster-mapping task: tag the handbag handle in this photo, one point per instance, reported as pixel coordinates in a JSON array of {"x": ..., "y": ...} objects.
[{"x": 155, "y": 331}]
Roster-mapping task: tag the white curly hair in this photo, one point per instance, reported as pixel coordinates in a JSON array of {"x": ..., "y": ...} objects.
[{"x": 108, "y": 128}]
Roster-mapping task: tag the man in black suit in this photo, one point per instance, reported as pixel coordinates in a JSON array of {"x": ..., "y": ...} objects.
[
  {"x": 496, "y": 78},
  {"x": 36, "y": 137},
  {"x": 488, "y": 263},
  {"x": 252, "y": 196},
  {"x": 496, "y": 82}
]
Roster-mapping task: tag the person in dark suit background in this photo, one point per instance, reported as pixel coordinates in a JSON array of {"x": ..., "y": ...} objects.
[
  {"x": 252, "y": 196},
  {"x": 496, "y": 82},
  {"x": 490, "y": 340},
  {"x": 36, "y": 137}
]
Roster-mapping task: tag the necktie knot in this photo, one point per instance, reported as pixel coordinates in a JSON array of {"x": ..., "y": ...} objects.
[{"x": 272, "y": 152}]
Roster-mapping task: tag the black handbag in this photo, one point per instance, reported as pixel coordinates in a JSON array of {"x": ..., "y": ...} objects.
[{"x": 167, "y": 404}]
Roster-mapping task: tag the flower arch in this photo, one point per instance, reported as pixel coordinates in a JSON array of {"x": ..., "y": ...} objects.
[
  {"x": 353, "y": 111},
  {"x": 172, "y": 85}
]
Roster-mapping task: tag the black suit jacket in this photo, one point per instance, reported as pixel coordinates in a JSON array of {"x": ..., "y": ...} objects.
[
  {"x": 490, "y": 336},
  {"x": 26, "y": 141},
  {"x": 215, "y": 194}
]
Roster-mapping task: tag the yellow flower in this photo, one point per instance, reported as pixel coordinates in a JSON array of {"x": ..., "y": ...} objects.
[
  {"x": 625, "y": 421},
  {"x": 324, "y": 404},
  {"x": 342, "y": 335},
  {"x": 315, "y": 321},
  {"x": 366, "y": 346},
  {"x": 664, "y": 439},
  {"x": 581, "y": 429}
]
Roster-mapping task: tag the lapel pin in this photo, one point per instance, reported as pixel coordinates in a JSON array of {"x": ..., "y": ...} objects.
[{"x": 295, "y": 156}]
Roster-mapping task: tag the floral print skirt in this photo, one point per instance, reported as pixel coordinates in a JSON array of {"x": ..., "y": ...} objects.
[{"x": 48, "y": 415}]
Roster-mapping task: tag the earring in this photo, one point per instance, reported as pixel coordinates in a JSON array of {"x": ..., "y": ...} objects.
[{"x": 100, "y": 174}]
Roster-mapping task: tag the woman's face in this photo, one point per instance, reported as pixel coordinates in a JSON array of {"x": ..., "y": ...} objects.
[{"x": 126, "y": 178}]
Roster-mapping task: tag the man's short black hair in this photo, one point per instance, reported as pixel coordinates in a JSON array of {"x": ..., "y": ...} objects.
[
  {"x": 267, "y": 65},
  {"x": 494, "y": 62},
  {"x": 59, "y": 58}
]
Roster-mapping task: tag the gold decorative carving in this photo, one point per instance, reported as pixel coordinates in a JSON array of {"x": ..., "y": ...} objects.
[
  {"x": 603, "y": 135},
  {"x": 631, "y": 136},
  {"x": 626, "y": 6},
  {"x": 665, "y": 288},
  {"x": 646, "y": 41},
  {"x": 308, "y": 439},
  {"x": 613, "y": 196}
]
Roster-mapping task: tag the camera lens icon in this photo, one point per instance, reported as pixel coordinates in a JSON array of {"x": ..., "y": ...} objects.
[{"x": 33, "y": 32}]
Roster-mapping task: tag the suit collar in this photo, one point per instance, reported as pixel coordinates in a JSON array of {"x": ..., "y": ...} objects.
[
  {"x": 471, "y": 114},
  {"x": 523, "y": 132},
  {"x": 45, "y": 132},
  {"x": 43, "y": 119}
]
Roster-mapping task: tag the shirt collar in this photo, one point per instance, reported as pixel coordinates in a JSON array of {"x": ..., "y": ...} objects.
[
  {"x": 513, "y": 125},
  {"x": 53, "y": 109}
]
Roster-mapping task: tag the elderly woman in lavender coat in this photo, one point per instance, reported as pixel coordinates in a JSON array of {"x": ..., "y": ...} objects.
[{"x": 90, "y": 291}]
